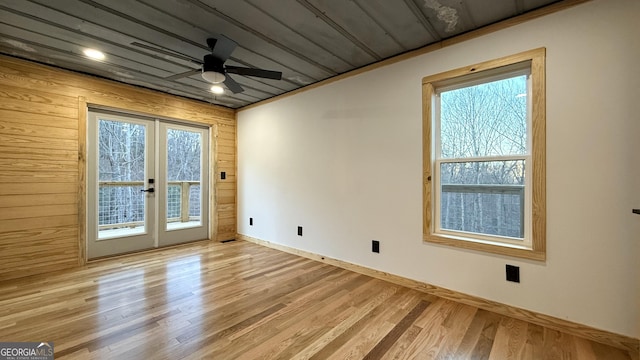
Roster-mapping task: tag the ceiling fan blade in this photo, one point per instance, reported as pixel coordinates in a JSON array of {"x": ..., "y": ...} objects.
[
  {"x": 221, "y": 47},
  {"x": 233, "y": 85},
  {"x": 166, "y": 52},
  {"x": 183, "y": 74},
  {"x": 267, "y": 74}
]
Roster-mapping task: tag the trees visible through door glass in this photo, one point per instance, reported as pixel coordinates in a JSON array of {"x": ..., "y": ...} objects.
[
  {"x": 121, "y": 176},
  {"x": 184, "y": 170}
]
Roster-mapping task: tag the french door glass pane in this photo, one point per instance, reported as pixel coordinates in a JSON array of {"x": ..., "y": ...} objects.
[
  {"x": 121, "y": 176},
  {"x": 184, "y": 195}
]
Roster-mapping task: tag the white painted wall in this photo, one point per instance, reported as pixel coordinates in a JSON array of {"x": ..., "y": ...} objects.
[{"x": 344, "y": 161}]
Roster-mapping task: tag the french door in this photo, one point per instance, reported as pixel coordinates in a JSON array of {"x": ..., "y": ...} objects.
[{"x": 147, "y": 183}]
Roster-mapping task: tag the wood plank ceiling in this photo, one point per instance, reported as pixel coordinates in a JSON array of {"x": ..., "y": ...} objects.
[{"x": 146, "y": 41}]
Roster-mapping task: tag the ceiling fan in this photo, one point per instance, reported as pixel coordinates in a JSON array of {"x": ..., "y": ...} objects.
[{"x": 212, "y": 66}]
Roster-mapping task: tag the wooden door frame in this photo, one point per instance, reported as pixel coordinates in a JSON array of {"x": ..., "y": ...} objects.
[{"x": 83, "y": 116}]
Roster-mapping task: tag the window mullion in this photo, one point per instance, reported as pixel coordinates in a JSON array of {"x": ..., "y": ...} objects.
[{"x": 485, "y": 158}]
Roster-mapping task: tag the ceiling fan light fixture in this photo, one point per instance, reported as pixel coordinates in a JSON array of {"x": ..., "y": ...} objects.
[
  {"x": 93, "y": 54},
  {"x": 217, "y": 89},
  {"x": 213, "y": 77}
]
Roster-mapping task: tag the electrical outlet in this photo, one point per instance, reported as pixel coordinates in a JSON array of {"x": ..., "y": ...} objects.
[
  {"x": 250, "y": 221},
  {"x": 375, "y": 246},
  {"x": 299, "y": 230},
  {"x": 513, "y": 273}
]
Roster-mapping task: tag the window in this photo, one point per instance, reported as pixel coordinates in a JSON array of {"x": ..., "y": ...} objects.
[{"x": 484, "y": 156}]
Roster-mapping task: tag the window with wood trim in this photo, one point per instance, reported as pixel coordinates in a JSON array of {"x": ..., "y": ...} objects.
[{"x": 484, "y": 156}]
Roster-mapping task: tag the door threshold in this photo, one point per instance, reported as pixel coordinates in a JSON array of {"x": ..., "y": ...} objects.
[{"x": 147, "y": 251}]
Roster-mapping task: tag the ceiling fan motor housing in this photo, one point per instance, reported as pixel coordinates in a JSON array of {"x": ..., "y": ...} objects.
[
  {"x": 213, "y": 69},
  {"x": 211, "y": 63}
]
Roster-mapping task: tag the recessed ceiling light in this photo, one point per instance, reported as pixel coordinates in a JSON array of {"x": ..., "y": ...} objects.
[
  {"x": 94, "y": 54},
  {"x": 217, "y": 89}
]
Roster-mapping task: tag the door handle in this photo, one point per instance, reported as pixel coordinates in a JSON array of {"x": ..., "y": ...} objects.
[
  {"x": 149, "y": 190},
  {"x": 636, "y": 211}
]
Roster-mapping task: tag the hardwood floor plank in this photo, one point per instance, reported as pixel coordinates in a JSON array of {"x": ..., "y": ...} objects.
[
  {"x": 478, "y": 339},
  {"x": 535, "y": 341},
  {"x": 292, "y": 314},
  {"x": 510, "y": 339},
  {"x": 399, "y": 348},
  {"x": 368, "y": 331},
  {"x": 360, "y": 308},
  {"x": 430, "y": 342},
  {"x": 584, "y": 350},
  {"x": 392, "y": 337},
  {"x": 456, "y": 326},
  {"x": 239, "y": 300},
  {"x": 557, "y": 345},
  {"x": 606, "y": 352}
]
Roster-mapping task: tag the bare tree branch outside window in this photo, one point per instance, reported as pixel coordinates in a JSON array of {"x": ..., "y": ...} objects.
[{"x": 488, "y": 120}]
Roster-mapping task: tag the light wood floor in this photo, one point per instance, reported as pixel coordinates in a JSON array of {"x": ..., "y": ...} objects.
[{"x": 239, "y": 300}]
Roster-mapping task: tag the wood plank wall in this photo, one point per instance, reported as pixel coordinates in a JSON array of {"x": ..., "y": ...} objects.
[{"x": 42, "y": 152}]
